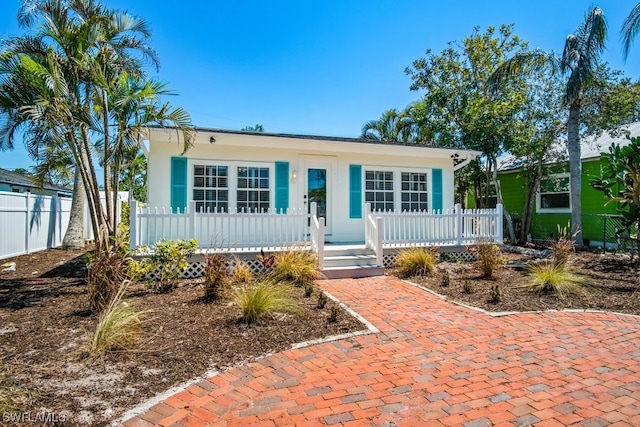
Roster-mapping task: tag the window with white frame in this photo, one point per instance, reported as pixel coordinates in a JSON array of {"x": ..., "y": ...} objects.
[
  {"x": 414, "y": 194},
  {"x": 379, "y": 190},
  {"x": 253, "y": 189},
  {"x": 211, "y": 188},
  {"x": 554, "y": 194}
]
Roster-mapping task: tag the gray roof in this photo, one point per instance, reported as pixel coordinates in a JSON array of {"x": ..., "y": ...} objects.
[
  {"x": 590, "y": 146},
  {"x": 13, "y": 178}
]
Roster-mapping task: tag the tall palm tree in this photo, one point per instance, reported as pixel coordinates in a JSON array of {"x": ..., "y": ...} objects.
[
  {"x": 392, "y": 126},
  {"x": 578, "y": 63},
  {"x": 630, "y": 29}
]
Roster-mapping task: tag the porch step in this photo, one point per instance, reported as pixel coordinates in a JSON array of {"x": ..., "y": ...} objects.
[{"x": 350, "y": 261}]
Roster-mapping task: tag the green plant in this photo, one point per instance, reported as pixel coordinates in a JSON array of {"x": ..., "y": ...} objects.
[
  {"x": 216, "y": 275},
  {"x": 333, "y": 314},
  {"x": 550, "y": 278},
  {"x": 119, "y": 328},
  {"x": 468, "y": 287},
  {"x": 106, "y": 272},
  {"x": 308, "y": 290},
  {"x": 322, "y": 301},
  {"x": 495, "y": 295},
  {"x": 296, "y": 266},
  {"x": 242, "y": 273},
  {"x": 446, "y": 279},
  {"x": 13, "y": 398},
  {"x": 168, "y": 261},
  {"x": 563, "y": 248},
  {"x": 416, "y": 261},
  {"x": 488, "y": 257},
  {"x": 263, "y": 297}
]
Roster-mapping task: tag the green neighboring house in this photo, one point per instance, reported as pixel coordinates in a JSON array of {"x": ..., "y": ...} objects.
[{"x": 553, "y": 202}]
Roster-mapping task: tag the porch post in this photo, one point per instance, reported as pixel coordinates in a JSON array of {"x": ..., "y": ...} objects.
[
  {"x": 499, "y": 225},
  {"x": 321, "y": 243},
  {"x": 458, "y": 210},
  {"x": 379, "y": 249},
  {"x": 367, "y": 226},
  {"x": 133, "y": 225}
]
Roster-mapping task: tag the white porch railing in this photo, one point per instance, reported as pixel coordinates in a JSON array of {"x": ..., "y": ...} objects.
[
  {"x": 373, "y": 234},
  {"x": 451, "y": 227},
  {"x": 316, "y": 233},
  {"x": 224, "y": 231}
]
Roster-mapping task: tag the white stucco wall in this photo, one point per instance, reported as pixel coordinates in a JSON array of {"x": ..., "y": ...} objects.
[{"x": 335, "y": 156}]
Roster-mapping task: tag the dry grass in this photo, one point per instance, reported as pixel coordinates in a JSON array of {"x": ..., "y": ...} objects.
[
  {"x": 13, "y": 399},
  {"x": 216, "y": 276},
  {"x": 119, "y": 328},
  {"x": 299, "y": 267},
  {"x": 488, "y": 257},
  {"x": 242, "y": 273},
  {"x": 550, "y": 278},
  {"x": 413, "y": 262},
  {"x": 263, "y": 297}
]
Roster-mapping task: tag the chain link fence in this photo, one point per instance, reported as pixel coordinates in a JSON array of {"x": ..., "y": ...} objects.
[{"x": 599, "y": 231}]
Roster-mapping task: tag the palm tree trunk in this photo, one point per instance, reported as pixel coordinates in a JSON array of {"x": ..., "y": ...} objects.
[
  {"x": 74, "y": 236},
  {"x": 575, "y": 172},
  {"x": 527, "y": 213}
]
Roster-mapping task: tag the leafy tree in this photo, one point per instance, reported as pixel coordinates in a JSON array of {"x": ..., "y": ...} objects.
[
  {"x": 59, "y": 86},
  {"x": 578, "y": 63},
  {"x": 620, "y": 181},
  {"x": 457, "y": 110}
]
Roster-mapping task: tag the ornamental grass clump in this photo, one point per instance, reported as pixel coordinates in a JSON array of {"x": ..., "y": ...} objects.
[
  {"x": 13, "y": 398},
  {"x": 416, "y": 262},
  {"x": 107, "y": 270},
  {"x": 296, "y": 266},
  {"x": 242, "y": 273},
  {"x": 119, "y": 328},
  {"x": 216, "y": 276},
  {"x": 551, "y": 278},
  {"x": 258, "y": 299},
  {"x": 488, "y": 257},
  {"x": 563, "y": 248}
]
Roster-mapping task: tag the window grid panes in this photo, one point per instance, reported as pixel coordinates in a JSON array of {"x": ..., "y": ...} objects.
[
  {"x": 253, "y": 189},
  {"x": 379, "y": 190},
  {"x": 414, "y": 191},
  {"x": 211, "y": 188},
  {"x": 554, "y": 193}
]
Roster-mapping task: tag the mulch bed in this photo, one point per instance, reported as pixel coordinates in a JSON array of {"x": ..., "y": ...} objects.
[
  {"x": 44, "y": 324},
  {"x": 611, "y": 283}
]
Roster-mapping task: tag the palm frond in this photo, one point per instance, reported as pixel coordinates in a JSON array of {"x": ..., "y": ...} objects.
[{"x": 630, "y": 29}]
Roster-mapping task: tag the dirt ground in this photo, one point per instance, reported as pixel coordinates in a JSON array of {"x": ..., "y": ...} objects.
[
  {"x": 611, "y": 283},
  {"x": 44, "y": 324}
]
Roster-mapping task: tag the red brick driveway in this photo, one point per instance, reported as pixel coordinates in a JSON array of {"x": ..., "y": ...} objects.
[{"x": 431, "y": 363}]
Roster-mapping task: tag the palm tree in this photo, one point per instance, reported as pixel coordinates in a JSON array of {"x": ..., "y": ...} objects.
[
  {"x": 630, "y": 29},
  {"x": 391, "y": 127},
  {"x": 578, "y": 63}
]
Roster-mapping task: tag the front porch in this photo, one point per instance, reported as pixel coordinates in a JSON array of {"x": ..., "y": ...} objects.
[{"x": 248, "y": 233}]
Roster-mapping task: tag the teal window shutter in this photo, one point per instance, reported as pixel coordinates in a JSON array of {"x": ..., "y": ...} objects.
[
  {"x": 282, "y": 187},
  {"x": 178, "y": 183},
  {"x": 355, "y": 191},
  {"x": 436, "y": 189}
]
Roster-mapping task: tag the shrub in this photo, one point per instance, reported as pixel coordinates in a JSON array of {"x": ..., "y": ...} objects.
[
  {"x": 322, "y": 301},
  {"x": 496, "y": 294},
  {"x": 242, "y": 273},
  {"x": 550, "y": 278},
  {"x": 563, "y": 248},
  {"x": 488, "y": 257},
  {"x": 216, "y": 275},
  {"x": 308, "y": 291},
  {"x": 333, "y": 314},
  {"x": 468, "y": 288},
  {"x": 296, "y": 266},
  {"x": 263, "y": 297},
  {"x": 446, "y": 279},
  {"x": 169, "y": 260},
  {"x": 106, "y": 272},
  {"x": 119, "y": 328},
  {"x": 13, "y": 398},
  {"x": 416, "y": 261}
]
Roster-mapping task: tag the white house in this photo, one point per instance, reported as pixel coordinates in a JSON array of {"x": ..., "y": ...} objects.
[{"x": 256, "y": 184}]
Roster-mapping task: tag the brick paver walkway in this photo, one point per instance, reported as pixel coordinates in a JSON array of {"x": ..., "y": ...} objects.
[{"x": 432, "y": 363}]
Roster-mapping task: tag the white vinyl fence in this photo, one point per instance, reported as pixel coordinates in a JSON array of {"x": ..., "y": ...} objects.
[{"x": 31, "y": 223}]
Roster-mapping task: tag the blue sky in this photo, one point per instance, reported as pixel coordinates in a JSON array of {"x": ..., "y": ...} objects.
[{"x": 323, "y": 67}]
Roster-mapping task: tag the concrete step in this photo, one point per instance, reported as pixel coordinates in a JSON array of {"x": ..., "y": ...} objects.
[
  {"x": 349, "y": 260},
  {"x": 352, "y": 272},
  {"x": 346, "y": 250}
]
